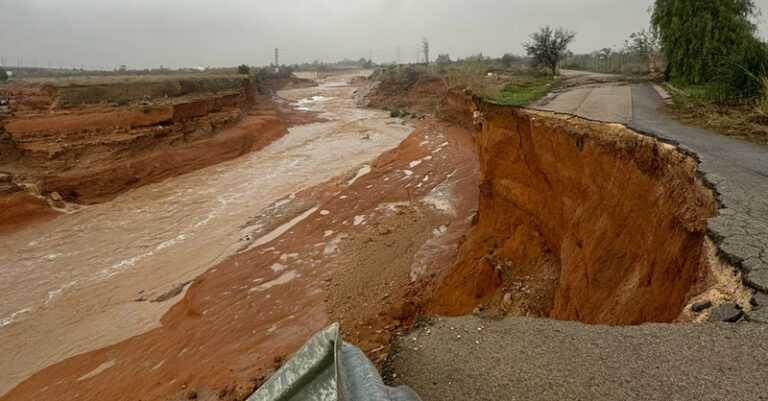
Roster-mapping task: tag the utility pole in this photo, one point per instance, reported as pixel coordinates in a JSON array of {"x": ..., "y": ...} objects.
[
  {"x": 398, "y": 55},
  {"x": 277, "y": 63},
  {"x": 425, "y": 46}
]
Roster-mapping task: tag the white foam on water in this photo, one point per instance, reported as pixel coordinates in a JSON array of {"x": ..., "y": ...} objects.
[
  {"x": 13, "y": 317},
  {"x": 277, "y": 267},
  {"x": 361, "y": 172},
  {"x": 284, "y": 278},
  {"x": 272, "y": 235}
]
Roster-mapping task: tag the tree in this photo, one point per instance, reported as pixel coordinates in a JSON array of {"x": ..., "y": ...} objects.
[
  {"x": 698, "y": 36},
  {"x": 507, "y": 60},
  {"x": 443, "y": 59},
  {"x": 3, "y": 75},
  {"x": 548, "y": 47},
  {"x": 644, "y": 44},
  {"x": 243, "y": 69}
]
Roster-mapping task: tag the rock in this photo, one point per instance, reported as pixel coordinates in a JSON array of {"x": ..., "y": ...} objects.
[
  {"x": 55, "y": 196},
  {"x": 729, "y": 312},
  {"x": 700, "y": 306},
  {"x": 5, "y": 177},
  {"x": 759, "y": 312}
]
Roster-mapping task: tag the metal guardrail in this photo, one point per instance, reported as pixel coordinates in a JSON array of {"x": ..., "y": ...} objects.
[{"x": 326, "y": 368}]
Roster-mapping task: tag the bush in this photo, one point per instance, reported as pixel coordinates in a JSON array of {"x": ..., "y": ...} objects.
[
  {"x": 3, "y": 75},
  {"x": 243, "y": 69},
  {"x": 740, "y": 74},
  {"x": 702, "y": 36}
]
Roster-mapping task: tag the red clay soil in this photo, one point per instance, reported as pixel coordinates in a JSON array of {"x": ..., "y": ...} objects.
[
  {"x": 422, "y": 97},
  {"x": 579, "y": 220},
  {"x": 241, "y": 319},
  {"x": 19, "y": 209},
  {"x": 90, "y": 154},
  {"x": 103, "y": 181}
]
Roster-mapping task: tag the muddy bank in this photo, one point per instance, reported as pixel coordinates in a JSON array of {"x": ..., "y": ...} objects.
[
  {"x": 242, "y": 318},
  {"x": 90, "y": 143},
  {"x": 580, "y": 220},
  {"x": 18, "y": 208}
]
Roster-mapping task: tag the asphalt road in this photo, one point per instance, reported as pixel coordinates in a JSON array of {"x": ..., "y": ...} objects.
[
  {"x": 468, "y": 358},
  {"x": 736, "y": 169}
]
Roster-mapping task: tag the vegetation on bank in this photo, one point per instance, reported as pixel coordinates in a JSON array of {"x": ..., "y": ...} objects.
[
  {"x": 418, "y": 89},
  {"x": 721, "y": 83},
  {"x": 701, "y": 106}
]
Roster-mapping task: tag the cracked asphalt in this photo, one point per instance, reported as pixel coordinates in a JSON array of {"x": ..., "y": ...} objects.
[
  {"x": 468, "y": 358},
  {"x": 735, "y": 169},
  {"x": 738, "y": 172}
]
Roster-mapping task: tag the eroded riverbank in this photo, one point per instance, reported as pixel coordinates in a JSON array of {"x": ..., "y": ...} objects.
[{"x": 70, "y": 285}]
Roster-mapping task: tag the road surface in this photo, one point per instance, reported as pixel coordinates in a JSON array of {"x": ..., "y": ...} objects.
[
  {"x": 738, "y": 170},
  {"x": 468, "y": 358}
]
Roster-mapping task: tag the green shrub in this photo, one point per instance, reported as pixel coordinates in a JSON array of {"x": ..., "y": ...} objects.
[{"x": 739, "y": 74}]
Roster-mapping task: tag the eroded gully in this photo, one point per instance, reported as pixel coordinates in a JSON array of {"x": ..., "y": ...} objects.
[{"x": 70, "y": 285}]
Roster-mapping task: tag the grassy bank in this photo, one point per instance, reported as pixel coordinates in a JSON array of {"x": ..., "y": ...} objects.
[
  {"x": 706, "y": 107},
  {"x": 418, "y": 90}
]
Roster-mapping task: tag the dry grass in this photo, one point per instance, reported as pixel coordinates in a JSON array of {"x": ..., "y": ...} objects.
[{"x": 746, "y": 119}]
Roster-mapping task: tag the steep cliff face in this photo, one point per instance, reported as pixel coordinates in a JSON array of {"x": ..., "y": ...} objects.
[
  {"x": 64, "y": 141},
  {"x": 579, "y": 220}
]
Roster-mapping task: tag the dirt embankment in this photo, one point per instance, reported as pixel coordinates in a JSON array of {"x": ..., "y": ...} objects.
[
  {"x": 580, "y": 220},
  {"x": 408, "y": 95},
  {"x": 74, "y": 142},
  {"x": 366, "y": 249},
  {"x": 17, "y": 208}
]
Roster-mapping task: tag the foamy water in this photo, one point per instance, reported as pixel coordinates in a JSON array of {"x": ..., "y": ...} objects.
[{"x": 186, "y": 222}]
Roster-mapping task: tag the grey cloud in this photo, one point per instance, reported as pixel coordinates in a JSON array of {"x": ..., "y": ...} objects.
[{"x": 148, "y": 33}]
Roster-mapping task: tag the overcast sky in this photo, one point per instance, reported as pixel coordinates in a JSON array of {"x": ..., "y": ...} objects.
[{"x": 177, "y": 33}]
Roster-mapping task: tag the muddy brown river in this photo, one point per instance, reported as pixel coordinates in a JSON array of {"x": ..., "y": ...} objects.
[{"x": 70, "y": 285}]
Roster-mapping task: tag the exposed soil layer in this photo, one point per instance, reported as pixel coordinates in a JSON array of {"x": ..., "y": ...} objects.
[
  {"x": 579, "y": 220},
  {"x": 314, "y": 263},
  {"x": 17, "y": 208},
  {"x": 55, "y": 305},
  {"x": 69, "y": 141},
  {"x": 419, "y": 97}
]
